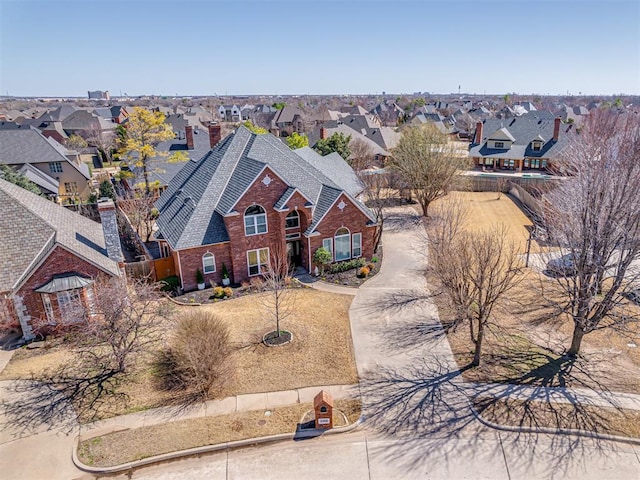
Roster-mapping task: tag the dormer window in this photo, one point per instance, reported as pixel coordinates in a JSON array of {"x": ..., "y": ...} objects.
[
  {"x": 536, "y": 145},
  {"x": 498, "y": 145}
]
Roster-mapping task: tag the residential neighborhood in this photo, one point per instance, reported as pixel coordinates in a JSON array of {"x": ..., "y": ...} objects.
[{"x": 402, "y": 259}]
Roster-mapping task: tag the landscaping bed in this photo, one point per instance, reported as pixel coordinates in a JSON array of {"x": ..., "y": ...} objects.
[
  {"x": 136, "y": 444},
  {"x": 555, "y": 416},
  {"x": 351, "y": 273}
]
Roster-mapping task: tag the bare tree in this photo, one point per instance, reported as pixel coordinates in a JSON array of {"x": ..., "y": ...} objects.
[
  {"x": 139, "y": 207},
  {"x": 104, "y": 141},
  {"x": 476, "y": 271},
  {"x": 594, "y": 217},
  {"x": 374, "y": 182},
  {"x": 427, "y": 163},
  {"x": 501, "y": 186},
  {"x": 106, "y": 338},
  {"x": 279, "y": 301}
]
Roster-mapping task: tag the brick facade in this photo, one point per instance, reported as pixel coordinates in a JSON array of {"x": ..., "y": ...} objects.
[
  {"x": 60, "y": 261},
  {"x": 266, "y": 191}
]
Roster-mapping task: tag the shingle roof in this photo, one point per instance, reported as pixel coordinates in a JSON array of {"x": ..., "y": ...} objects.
[
  {"x": 44, "y": 181},
  {"x": 193, "y": 206},
  {"x": 335, "y": 168},
  {"x": 31, "y": 226},
  {"x": 523, "y": 130},
  {"x": 22, "y": 146}
]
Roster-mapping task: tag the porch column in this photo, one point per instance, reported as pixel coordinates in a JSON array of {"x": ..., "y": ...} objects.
[{"x": 520, "y": 162}]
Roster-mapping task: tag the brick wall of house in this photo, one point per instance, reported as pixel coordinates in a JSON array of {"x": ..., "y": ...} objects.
[
  {"x": 60, "y": 261},
  {"x": 350, "y": 217},
  {"x": 191, "y": 261}
]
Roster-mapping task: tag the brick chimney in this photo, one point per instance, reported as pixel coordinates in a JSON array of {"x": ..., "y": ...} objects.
[
  {"x": 478, "y": 138},
  {"x": 556, "y": 128},
  {"x": 215, "y": 134},
  {"x": 107, "y": 210},
  {"x": 323, "y": 133},
  {"x": 188, "y": 133}
]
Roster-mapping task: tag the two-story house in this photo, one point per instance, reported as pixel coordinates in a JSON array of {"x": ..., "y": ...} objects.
[
  {"x": 56, "y": 166},
  {"x": 528, "y": 142},
  {"x": 252, "y": 196}
]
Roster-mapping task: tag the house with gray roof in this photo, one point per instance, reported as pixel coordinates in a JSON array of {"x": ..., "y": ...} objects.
[
  {"x": 251, "y": 198},
  {"x": 20, "y": 146},
  {"x": 51, "y": 258},
  {"x": 528, "y": 142}
]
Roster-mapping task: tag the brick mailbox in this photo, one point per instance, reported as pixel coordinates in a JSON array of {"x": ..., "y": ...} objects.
[{"x": 323, "y": 408}]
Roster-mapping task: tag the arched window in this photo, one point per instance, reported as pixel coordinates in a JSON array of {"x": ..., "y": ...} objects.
[
  {"x": 292, "y": 220},
  {"x": 342, "y": 243},
  {"x": 255, "y": 220},
  {"x": 208, "y": 263}
]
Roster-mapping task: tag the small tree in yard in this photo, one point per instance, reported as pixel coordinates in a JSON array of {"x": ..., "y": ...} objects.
[
  {"x": 279, "y": 299},
  {"x": 322, "y": 257},
  {"x": 475, "y": 270},
  {"x": 594, "y": 216},
  {"x": 196, "y": 358},
  {"x": 296, "y": 140},
  {"x": 426, "y": 163},
  {"x": 139, "y": 207},
  {"x": 338, "y": 142},
  {"x": 104, "y": 344}
]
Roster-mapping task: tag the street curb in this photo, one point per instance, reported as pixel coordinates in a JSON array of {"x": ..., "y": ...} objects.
[
  {"x": 206, "y": 448},
  {"x": 552, "y": 431}
]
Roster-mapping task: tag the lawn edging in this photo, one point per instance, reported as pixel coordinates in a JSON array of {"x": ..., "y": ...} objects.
[
  {"x": 200, "y": 450},
  {"x": 551, "y": 431}
]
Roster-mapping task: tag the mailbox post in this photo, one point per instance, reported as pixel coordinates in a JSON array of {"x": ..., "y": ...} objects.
[{"x": 323, "y": 408}]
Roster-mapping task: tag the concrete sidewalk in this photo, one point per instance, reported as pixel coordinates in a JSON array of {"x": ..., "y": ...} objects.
[
  {"x": 314, "y": 282},
  {"x": 237, "y": 403}
]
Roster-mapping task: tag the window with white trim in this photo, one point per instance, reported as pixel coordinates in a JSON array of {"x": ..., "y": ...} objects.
[
  {"x": 498, "y": 145},
  {"x": 327, "y": 244},
  {"x": 342, "y": 243},
  {"x": 356, "y": 245},
  {"x": 208, "y": 263},
  {"x": 48, "y": 309},
  {"x": 255, "y": 220},
  {"x": 257, "y": 260},
  {"x": 292, "y": 220},
  {"x": 69, "y": 305}
]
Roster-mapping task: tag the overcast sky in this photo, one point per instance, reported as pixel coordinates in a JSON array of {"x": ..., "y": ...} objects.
[{"x": 64, "y": 48}]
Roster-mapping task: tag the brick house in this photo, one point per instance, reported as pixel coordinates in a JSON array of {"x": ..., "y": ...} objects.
[
  {"x": 251, "y": 196},
  {"x": 51, "y": 258}
]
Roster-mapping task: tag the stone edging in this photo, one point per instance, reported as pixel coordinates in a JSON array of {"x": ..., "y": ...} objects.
[
  {"x": 551, "y": 431},
  {"x": 204, "y": 449}
]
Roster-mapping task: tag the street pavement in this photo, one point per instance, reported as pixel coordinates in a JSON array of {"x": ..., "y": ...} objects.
[{"x": 417, "y": 420}]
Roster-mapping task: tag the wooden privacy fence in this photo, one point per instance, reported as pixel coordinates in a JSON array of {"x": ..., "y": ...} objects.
[{"x": 154, "y": 270}]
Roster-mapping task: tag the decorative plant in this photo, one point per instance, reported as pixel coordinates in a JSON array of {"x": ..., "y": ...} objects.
[
  {"x": 199, "y": 276},
  {"x": 363, "y": 272},
  {"x": 322, "y": 257},
  {"x": 225, "y": 272}
]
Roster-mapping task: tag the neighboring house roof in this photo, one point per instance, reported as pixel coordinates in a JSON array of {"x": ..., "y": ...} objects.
[
  {"x": 83, "y": 120},
  {"x": 339, "y": 127},
  {"x": 287, "y": 114},
  {"x": 31, "y": 226},
  {"x": 55, "y": 127},
  {"x": 58, "y": 114},
  {"x": 335, "y": 168},
  {"x": 523, "y": 130},
  {"x": 203, "y": 191},
  {"x": 20, "y": 146},
  {"x": 46, "y": 183}
]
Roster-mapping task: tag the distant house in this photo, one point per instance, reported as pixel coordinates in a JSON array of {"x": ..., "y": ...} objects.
[
  {"x": 57, "y": 165},
  {"x": 51, "y": 258},
  {"x": 528, "y": 142},
  {"x": 117, "y": 114},
  {"x": 86, "y": 124},
  {"x": 288, "y": 120},
  {"x": 230, "y": 113},
  {"x": 251, "y": 197},
  {"x": 389, "y": 113}
]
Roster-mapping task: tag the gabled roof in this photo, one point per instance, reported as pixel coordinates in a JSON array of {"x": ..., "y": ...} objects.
[
  {"x": 335, "y": 168},
  {"x": 31, "y": 226},
  {"x": 501, "y": 134},
  {"x": 196, "y": 200},
  {"x": 46, "y": 183},
  {"x": 58, "y": 114},
  {"x": 20, "y": 146}
]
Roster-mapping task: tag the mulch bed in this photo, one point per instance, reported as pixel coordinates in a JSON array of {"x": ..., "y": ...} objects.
[{"x": 350, "y": 277}]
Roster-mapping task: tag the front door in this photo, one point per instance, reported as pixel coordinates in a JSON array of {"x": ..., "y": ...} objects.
[{"x": 294, "y": 253}]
